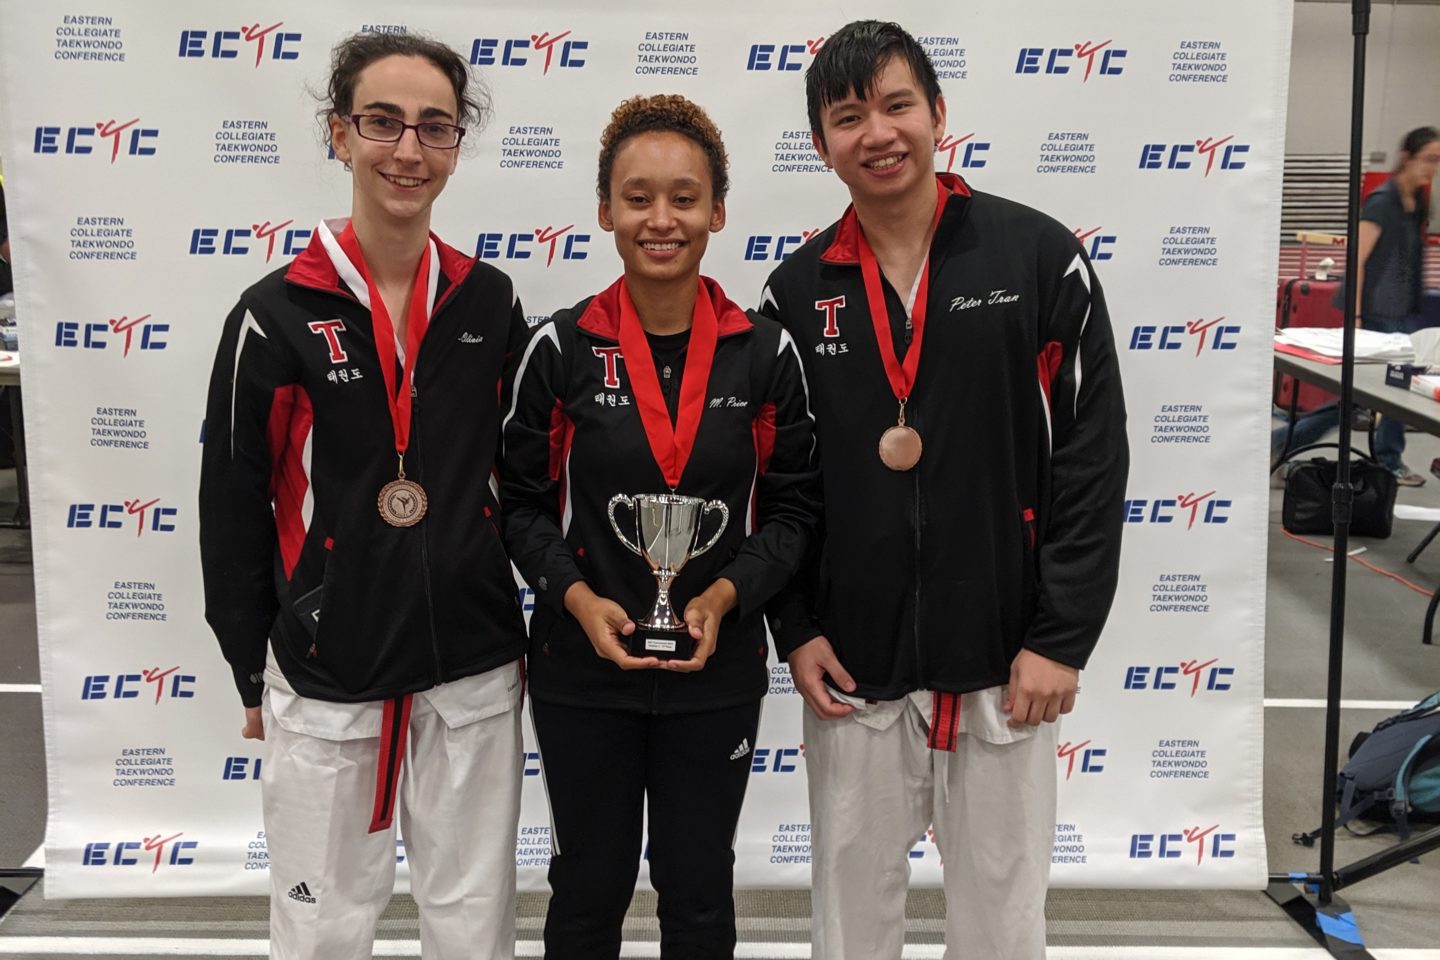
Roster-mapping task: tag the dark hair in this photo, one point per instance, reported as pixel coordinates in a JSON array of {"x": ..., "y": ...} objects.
[
  {"x": 358, "y": 51},
  {"x": 1413, "y": 142},
  {"x": 663, "y": 113},
  {"x": 851, "y": 59}
]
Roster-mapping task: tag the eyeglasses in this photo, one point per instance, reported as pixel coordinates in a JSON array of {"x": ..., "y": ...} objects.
[{"x": 383, "y": 129}]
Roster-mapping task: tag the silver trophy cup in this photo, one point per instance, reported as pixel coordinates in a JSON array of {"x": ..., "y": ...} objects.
[{"x": 667, "y": 529}]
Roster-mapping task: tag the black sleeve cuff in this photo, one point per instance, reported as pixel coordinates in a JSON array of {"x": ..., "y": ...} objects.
[{"x": 251, "y": 685}]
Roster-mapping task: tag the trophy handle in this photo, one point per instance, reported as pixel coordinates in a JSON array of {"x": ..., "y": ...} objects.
[
  {"x": 615, "y": 501},
  {"x": 724, "y": 522}
]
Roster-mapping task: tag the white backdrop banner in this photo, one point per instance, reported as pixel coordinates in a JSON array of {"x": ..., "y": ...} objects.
[{"x": 163, "y": 158}]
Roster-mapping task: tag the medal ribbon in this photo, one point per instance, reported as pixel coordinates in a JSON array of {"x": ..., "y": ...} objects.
[
  {"x": 902, "y": 378},
  {"x": 418, "y": 318},
  {"x": 671, "y": 445}
]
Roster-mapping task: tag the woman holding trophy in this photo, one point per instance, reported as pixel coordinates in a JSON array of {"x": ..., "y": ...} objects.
[{"x": 658, "y": 457}]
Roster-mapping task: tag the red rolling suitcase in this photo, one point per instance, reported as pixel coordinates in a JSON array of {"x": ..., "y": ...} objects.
[{"x": 1305, "y": 303}]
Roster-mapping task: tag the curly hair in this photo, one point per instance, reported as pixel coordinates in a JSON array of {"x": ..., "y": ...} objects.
[
  {"x": 663, "y": 113},
  {"x": 356, "y": 52}
]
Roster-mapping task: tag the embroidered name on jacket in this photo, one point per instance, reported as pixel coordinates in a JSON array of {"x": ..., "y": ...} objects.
[{"x": 993, "y": 298}]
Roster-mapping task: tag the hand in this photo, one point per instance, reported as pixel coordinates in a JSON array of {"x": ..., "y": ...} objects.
[
  {"x": 604, "y": 622},
  {"x": 808, "y": 665},
  {"x": 703, "y": 615},
  {"x": 1040, "y": 690},
  {"x": 254, "y": 728}
]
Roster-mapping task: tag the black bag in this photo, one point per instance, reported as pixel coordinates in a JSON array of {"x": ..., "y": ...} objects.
[{"x": 1308, "y": 498}]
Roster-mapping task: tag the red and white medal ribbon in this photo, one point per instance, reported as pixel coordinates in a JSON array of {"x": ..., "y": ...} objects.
[
  {"x": 402, "y": 502},
  {"x": 899, "y": 445}
]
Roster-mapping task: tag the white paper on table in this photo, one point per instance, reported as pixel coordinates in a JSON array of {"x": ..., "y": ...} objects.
[{"x": 1371, "y": 346}]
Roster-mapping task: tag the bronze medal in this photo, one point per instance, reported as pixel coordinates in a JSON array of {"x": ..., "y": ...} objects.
[
  {"x": 900, "y": 448},
  {"x": 402, "y": 502}
]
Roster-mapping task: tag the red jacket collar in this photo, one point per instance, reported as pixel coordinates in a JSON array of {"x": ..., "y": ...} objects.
[
  {"x": 313, "y": 267},
  {"x": 845, "y": 247},
  {"x": 602, "y": 316}
]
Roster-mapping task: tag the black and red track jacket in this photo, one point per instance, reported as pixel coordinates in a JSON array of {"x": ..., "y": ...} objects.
[
  {"x": 1007, "y": 533},
  {"x": 573, "y": 438},
  {"x": 298, "y": 443}
]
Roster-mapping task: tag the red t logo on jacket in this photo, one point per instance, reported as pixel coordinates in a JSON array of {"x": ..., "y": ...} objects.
[
  {"x": 829, "y": 308},
  {"x": 328, "y": 328},
  {"x": 611, "y": 356}
]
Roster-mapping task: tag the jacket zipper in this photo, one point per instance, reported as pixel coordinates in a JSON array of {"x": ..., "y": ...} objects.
[
  {"x": 439, "y": 673},
  {"x": 919, "y": 650},
  {"x": 425, "y": 541}
]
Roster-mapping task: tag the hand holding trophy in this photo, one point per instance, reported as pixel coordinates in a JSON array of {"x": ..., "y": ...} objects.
[{"x": 667, "y": 530}]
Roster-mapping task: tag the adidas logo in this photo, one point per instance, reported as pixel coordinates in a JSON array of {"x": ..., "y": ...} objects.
[
  {"x": 301, "y": 892},
  {"x": 741, "y": 750},
  {"x": 468, "y": 337}
]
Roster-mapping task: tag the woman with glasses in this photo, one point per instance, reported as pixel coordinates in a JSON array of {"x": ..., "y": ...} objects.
[
  {"x": 354, "y": 574},
  {"x": 652, "y": 397}
]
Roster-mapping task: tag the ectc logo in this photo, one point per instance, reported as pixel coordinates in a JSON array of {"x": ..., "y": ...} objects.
[
  {"x": 776, "y": 760},
  {"x": 111, "y": 516},
  {"x": 498, "y": 52},
  {"x": 206, "y": 241},
  {"x": 1171, "y": 676},
  {"x": 168, "y": 684},
  {"x": 1183, "y": 156},
  {"x": 1172, "y": 846},
  {"x": 1191, "y": 507},
  {"x": 227, "y": 44},
  {"x": 1097, "y": 244},
  {"x": 1081, "y": 756},
  {"x": 766, "y": 246},
  {"x": 139, "y": 333},
  {"x": 1205, "y": 334},
  {"x": 782, "y": 57},
  {"x": 1101, "y": 58},
  {"x": 80, "y": 140},
  {"x": 126, "y": 853},
  {"x": 241, "y": 768},
  {"x": 970, "y": 158},
  {"x": 516, "y": 246},
  {"x": 531, "y": 767}
]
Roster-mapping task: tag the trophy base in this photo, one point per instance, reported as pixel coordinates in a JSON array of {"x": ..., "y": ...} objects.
[{"x": 661, "y": 644}]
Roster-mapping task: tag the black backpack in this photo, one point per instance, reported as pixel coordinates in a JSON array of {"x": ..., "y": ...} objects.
[{"x": 1393, "y": 773}]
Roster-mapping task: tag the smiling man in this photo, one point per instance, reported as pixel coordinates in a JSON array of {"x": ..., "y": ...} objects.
[{"x": 972, "y": 512}]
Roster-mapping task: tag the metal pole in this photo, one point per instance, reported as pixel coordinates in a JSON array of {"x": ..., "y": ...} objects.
[{"x": 1343, "y": 492}]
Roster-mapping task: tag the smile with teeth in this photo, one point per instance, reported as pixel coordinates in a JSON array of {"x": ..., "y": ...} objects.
[
  {"x": 403, "y": 181},
  {"x": 660, "y": 246},
  {"x": 884, "y": 163}
]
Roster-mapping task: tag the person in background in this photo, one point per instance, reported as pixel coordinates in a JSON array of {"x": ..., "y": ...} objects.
[
  {"x": 354, "y": 574},
  {"x": 1389, "y": 283}
]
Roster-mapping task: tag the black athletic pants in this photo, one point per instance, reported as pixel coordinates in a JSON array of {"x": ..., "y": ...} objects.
[{"x": 599, "y": 766}]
